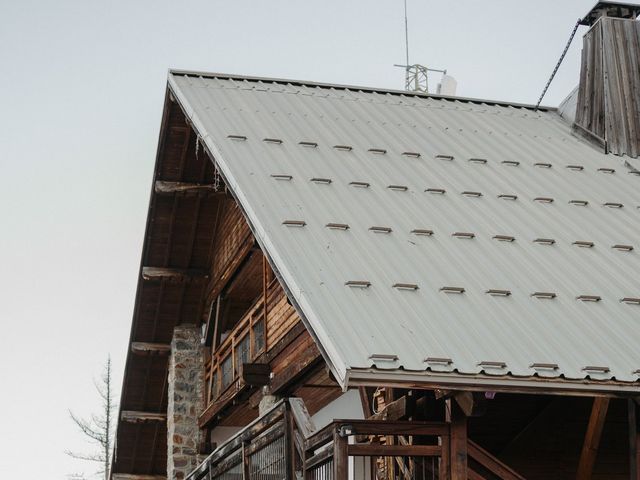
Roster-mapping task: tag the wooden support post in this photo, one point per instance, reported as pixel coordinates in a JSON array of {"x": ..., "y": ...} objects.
[
  {"x": 458, "y": 442},
  {"x": 592, "y": 438},
  {"x": 340, "y": 456},
  {"x": 444, "y": 469},
  {"x": 290, "y": 450},
  {"x": 246, "y": 472},
  {"x": 634, "y": 445}
]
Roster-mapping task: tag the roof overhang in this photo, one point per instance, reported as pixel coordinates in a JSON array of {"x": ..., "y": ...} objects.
[{"x": 489, "y": 383}]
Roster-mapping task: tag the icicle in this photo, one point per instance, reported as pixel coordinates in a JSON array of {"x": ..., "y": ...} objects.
[{"x": 216, "y": 176}]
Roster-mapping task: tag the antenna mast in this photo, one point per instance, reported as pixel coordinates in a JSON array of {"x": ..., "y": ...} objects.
[
  {"x": 416, "y": 76},
  {"x": 406, "y": 33}
]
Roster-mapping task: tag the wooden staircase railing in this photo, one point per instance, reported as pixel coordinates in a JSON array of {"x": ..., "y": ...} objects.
[
  {"x": 491, "y": 464},
  {"x": 284, "y": 444}
]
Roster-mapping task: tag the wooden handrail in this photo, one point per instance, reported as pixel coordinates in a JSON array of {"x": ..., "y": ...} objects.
[{"x": 491, "y": 463}]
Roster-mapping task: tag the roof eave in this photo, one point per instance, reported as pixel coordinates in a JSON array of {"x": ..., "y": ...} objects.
[{"x": 484, "y": 383}]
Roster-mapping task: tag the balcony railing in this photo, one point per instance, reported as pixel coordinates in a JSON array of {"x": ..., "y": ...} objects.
[
  {"x": 283, "y": 444},
  {"x": 244, "y": 344}
]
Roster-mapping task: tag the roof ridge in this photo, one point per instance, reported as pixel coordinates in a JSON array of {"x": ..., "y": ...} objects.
[{"x": 306, "y": 83}]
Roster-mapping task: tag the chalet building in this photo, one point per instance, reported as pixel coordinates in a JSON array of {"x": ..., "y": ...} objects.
[{"x": 355, "y": 283}]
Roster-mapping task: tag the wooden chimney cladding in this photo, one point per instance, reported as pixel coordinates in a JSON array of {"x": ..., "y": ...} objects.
[{"x": 608, "y": 110}]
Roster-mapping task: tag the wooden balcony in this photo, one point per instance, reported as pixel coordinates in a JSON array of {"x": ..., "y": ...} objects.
[
  {"x": 283, "y": 444},
  {"x": 254, "y": 340}
]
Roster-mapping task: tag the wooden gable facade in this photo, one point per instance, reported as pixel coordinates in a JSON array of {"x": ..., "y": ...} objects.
[{"x": 202, "y": 266}]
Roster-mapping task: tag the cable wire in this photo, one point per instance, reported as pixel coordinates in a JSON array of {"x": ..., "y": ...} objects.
[{"x": 555, "y": 70}]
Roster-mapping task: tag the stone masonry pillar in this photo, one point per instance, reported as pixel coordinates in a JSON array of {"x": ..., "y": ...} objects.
[{"x": 185, "y": 402}]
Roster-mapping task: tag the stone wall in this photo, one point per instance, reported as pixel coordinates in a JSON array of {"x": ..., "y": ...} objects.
[{"x": 185, "y": 401}]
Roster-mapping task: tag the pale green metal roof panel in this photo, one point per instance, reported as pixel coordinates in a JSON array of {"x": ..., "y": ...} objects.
[{"x": 364, "y": 327}]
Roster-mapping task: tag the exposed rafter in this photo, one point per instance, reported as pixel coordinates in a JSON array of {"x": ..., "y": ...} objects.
[
  {"x": 132, "y": 416},
  {"x": 176, "y": 275},
  {"x": 144, "y": 348},
  {"x": 171, "y": 188}
]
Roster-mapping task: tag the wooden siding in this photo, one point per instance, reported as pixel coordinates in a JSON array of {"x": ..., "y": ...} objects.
[
  {"x": 281, "y": 316},
  {"x": 609, "y": 94}
]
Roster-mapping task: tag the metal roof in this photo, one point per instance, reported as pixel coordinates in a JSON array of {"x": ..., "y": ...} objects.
[{"x": 432, "y": 240}]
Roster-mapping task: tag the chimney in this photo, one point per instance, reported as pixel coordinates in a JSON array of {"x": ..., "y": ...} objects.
[{"x": 608, "y": 111}]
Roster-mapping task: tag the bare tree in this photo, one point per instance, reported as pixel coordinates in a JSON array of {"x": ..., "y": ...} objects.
[{"x": 99, "y": 428}]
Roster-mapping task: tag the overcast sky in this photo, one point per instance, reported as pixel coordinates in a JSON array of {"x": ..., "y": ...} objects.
[{"x": 81, "y": 89}]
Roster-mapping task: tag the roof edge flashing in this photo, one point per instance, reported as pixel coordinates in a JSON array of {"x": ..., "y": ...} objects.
[
  {"x": 391, "y": 91},
  {"x": 312, "y": 324},
  {"x": 480, "y": 382}
]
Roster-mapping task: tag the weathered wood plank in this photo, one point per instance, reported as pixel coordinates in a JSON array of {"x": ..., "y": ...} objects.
[{"x": 302, "y": 418}]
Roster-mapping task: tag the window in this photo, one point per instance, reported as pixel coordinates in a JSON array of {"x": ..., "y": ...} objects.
[
  {"x": 242, "y": 353},
  {"x": 214, "y": 387},
  {"x": 258, "y": 337},
  {"x": 226, "y": 372}
]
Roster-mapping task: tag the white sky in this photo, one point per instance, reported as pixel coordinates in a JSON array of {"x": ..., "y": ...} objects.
[{"x": 81, "y": 92}]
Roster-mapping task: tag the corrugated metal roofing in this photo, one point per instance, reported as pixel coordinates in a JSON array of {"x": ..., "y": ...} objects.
[{"x": 435, "y": 240}]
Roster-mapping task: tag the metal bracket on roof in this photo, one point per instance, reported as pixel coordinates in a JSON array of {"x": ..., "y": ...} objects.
[
  {"x": 405, "y": 286},
  {"x": 504, "y": 238},
  {"x": 358, "y": 283}
]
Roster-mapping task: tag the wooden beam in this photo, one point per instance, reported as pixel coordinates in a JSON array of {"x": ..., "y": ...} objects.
[
  {"x": 132, "y": 416},
  {"x": 397, "y": 410},
  {"x": 135, "y": 476},
  {"x": 592, "y": 438},
  {"x": 458, "y": 446},
  {"x": 634, "y": 444},
  {"x": 302, "y": 418},
  {"x": 174, "y": 275},
  {"x": 376, "y": 450},
  {"x": 473, "y": 404},
  {"x": 171, "y": 188},
  {"x": 144, "y": 348},
  {"x": 491, "y": 463}
]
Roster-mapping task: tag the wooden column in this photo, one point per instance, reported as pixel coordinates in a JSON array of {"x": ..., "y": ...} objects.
[
  {"x": 634, "y": 445},
  {"x": 246, "y": 468},
  {"x": 592, "y": 438},
  {"x": 340, "y": 457},
  {"x": 458, "y": 442}
]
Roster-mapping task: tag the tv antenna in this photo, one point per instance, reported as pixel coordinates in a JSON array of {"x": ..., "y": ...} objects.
[{"x": 416, "y": 76}]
